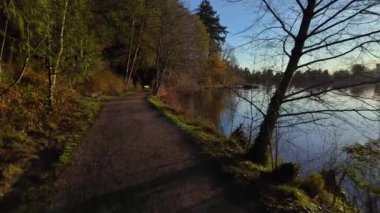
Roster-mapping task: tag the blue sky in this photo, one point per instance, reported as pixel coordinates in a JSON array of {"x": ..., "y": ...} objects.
[{"x": 237, "y": 17}]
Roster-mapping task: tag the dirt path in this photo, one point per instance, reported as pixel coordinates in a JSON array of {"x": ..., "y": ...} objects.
[{"x": 134, "y": 160}]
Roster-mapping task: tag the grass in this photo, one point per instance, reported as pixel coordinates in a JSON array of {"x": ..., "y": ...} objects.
[
  {"x": 87, "y": 114},
  {"x": 35, "y": 156},
  {"x": 36, "y": 145},
  {"x": 212, "y": 142},
  {"x": 299, "y": 196},
  {"x": 291, "y": 195}
]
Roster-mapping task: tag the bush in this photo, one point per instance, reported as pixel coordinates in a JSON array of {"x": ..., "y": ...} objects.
[
  {"x": 297, "y": 197},
  {"x": 35, "y": 78},
  {"x": 240, "y": 136},
  {"x": 286, "y": 173},
  {"x": 103, "y": 83},
  {"x": 9, "y": 176},
  {"x": 313, "y": 185}
]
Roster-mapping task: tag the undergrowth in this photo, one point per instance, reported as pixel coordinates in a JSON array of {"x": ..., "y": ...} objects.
[
  {"x": 35, "y": 143},
  {"x": 212, "y": 141},
  {"x": 278, "y": 189}
]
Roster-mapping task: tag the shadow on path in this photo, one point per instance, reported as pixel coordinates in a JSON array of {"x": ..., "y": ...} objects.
[{"x": 134, "y": 160}]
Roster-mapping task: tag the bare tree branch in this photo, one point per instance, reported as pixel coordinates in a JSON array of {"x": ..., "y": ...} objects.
[
  {"x": 329, "y": 110},
  {"x": 343, "y": 9},
  {"x": 246, "y": 99},
  {"x": 324, "y": 7},
  {"x": 300, "y": 5},
  {"x": 282, "y": 23},
  {"x": 345, "y": 40},
  {"x": 318, "y": 29},
  {"x": 339, "y": 55}
]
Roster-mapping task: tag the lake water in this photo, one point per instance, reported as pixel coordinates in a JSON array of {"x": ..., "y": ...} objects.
[{"x": 312, "y": 145}]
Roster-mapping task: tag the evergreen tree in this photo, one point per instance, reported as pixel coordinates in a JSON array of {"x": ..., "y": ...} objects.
[{"x": 210, "y": 19}]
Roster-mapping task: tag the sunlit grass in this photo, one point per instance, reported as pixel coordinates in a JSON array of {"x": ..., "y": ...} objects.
[
  {"x": 200, "y": 131},
  {"x": 308, "y": 194}
]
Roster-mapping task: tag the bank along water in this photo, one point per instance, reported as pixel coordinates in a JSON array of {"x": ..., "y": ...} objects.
[{"x": 315, "y": 141}]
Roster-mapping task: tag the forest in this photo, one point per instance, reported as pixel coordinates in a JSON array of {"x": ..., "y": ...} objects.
[
  {"x": 308, "y": 77},
  {"x": 65, "y": 64}
]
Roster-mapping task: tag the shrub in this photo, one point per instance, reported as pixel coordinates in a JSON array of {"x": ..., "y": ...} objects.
[
  {"x": 10, "y": 174},
  {"x": 286, "y": 191},
  {"x": 313, "y": 185},
  {"x": 240, "y": 136},
  {"x": 36, "y": 78},
  {"x": 286, "y": 173},
  {"x": 103, "y": 83}
]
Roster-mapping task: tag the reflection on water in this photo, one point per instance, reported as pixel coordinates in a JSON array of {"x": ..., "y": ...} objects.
[
  {"x": 366, "y": 90},
  {"x": 313, "y": 145},
  {"x": 377, "y": 90},
  {"x": 209, "y": 104}
]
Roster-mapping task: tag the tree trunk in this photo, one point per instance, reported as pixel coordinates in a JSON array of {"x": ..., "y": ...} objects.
[
  {"x": 135, "y": 54},
  {"x": 53, "y": 70},
  {"x": 23, "y": 70},
  {"x": 130, "y": 52},
  {"x": 2, "y": 46},
  {"x": 156, "y": 86},
  {"x": 259, "y": 153}
]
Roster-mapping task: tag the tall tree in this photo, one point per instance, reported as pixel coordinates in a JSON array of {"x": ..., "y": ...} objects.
[
  {"x": 315, "y": 31},
  {"x": 61, "y": 46},
  {"x": 182, "y": 46},
  {"x": 210, "y": 19},
  {"x": 4, "y": 35},
  {"x": 26, "y": 26}
]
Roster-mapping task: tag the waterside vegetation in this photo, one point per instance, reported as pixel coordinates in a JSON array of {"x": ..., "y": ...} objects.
[{"x": 278, "y": 188}]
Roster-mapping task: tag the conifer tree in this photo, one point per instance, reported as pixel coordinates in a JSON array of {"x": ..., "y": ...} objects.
[{"x": 210, "y": 19}]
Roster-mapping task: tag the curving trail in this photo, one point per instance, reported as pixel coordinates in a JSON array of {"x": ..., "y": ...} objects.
[{"x": 134, "y": 160}]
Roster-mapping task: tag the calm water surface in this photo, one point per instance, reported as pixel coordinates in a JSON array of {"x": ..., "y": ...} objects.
[{"x": 313, "y": 145}]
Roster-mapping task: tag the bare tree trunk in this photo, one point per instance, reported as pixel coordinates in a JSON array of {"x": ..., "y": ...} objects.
[
  {"x": 3, "y": 45},
  {"x": 25, "y": 65},
  {"x": 130, "y": 52},
  {"x": 259, "y": 153},
  {"x": 157, "y": 83},
  {"x": 53, "y": 70},
  {"x": 23, "y": 70},
  {"x": 160, "y": 81},
  {"x": 135, "y": 54}
]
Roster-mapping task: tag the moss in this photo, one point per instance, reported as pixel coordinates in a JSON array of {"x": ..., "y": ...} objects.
[
  {"x": 88, "y": 113},
  {"x": 249, "y": 171},
  {"x": 212, "y": 142},
  {"x": 299, "y": 196},
  {"x": 70, "y": 146},
  {"x": 256, "y": 167},
  {"x": 315, "y": 187}
]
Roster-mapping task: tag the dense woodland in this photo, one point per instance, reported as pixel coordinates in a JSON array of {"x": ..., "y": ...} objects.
[
  {"x": 145, "y": 42},
  {"x": 54, "y": 54}
]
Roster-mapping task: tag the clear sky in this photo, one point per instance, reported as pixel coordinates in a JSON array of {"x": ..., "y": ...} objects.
[{"x": 237, "y": 17}]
